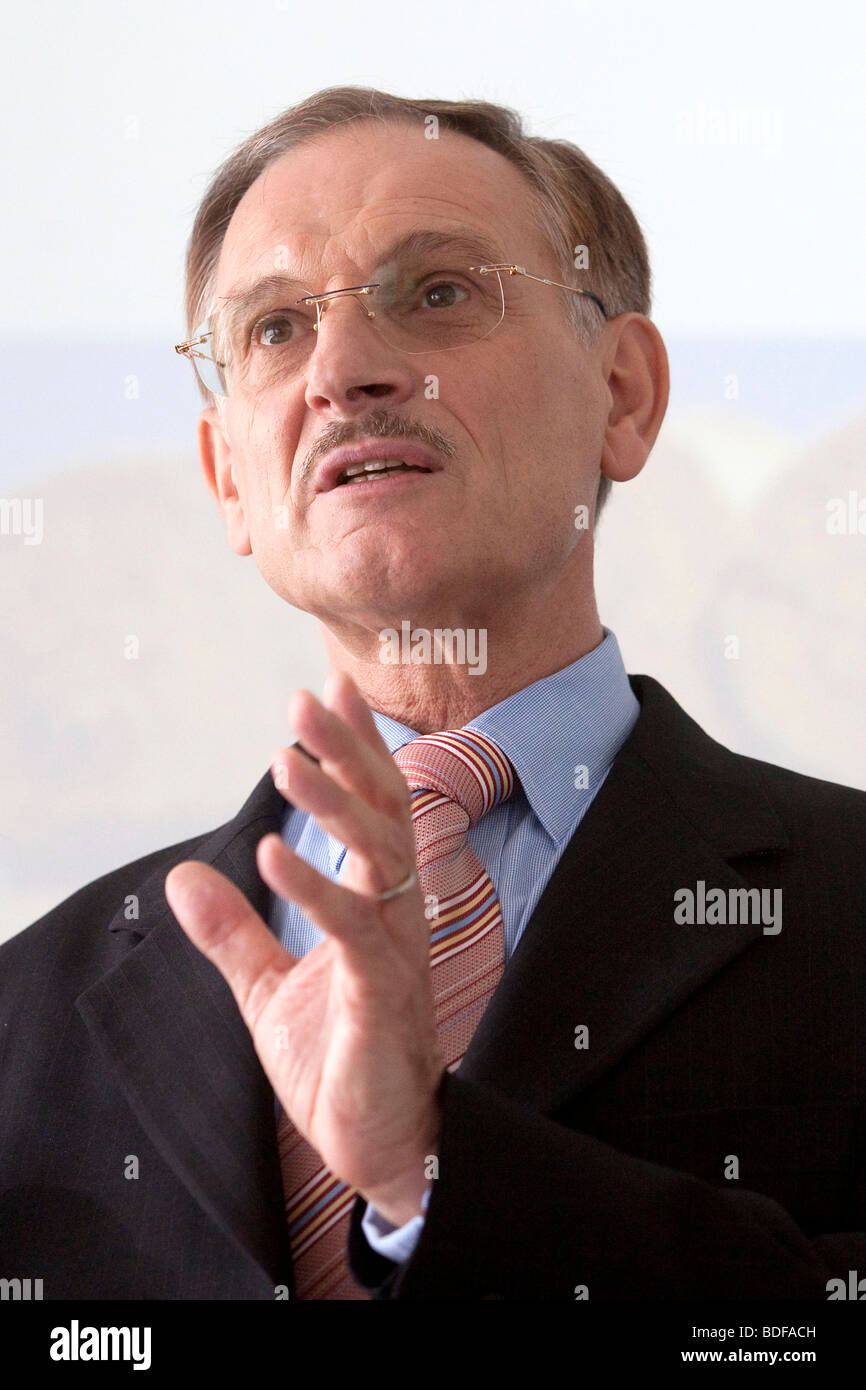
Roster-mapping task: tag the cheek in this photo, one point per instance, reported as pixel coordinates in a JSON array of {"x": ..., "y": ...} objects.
[{"x": 266, "y": 448}]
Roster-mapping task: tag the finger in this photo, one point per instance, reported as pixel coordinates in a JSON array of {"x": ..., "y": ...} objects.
[
  {"x": 218, "y": 920},
  {"x": 327, "y": 736},
  {"x": 339, "y": 912},
  {"x": 342, "y": 696},
  {"x": 347, "y": 757},
  {"x": 386, "y": 846}
]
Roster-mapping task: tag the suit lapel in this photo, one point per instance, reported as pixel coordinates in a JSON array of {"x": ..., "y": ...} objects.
[
  {"x": 169, "y": 1025},
  {"x": 602, "y": 948}
]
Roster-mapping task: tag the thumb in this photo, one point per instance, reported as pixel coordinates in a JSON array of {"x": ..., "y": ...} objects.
[{"x": 224, "y": 926}]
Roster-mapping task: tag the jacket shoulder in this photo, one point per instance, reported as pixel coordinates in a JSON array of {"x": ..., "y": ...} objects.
[
  {"x": 99, "y": 922},
  {"x": 92, "y": 905},
  {"x": 801, "y": 791},
  {"x": 826, "y": 818},
  {"x": 732, "y": 796}
]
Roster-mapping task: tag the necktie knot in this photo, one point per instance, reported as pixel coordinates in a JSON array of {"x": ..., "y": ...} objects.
[{"x": 462, "y": 764}]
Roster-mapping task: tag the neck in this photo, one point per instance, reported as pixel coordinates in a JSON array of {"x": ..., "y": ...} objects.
[{"x": 459, "y": 671}]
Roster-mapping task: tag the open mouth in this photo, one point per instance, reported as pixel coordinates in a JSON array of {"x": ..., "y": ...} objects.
[{"x": 374, "y": 470}]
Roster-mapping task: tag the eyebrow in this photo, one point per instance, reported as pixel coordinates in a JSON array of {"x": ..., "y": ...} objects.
[{"x": 238, "y": 303}]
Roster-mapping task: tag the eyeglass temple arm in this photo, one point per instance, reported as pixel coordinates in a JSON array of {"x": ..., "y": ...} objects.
[
  {"x": 519, "y": 270},
  {"x": 186, "y": 349}
]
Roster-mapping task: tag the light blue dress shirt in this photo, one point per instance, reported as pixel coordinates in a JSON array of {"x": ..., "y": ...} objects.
[{"x": 562, "y": 734}]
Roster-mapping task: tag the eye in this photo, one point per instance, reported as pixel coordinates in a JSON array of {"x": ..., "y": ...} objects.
[
  {"x": 275, "y": 331},
  {"x": 444, "y": 294}
]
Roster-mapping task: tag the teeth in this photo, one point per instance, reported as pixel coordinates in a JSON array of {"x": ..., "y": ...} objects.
[
  {"x": 360, "y": 472},
  {"x": 370, "y": 465}
]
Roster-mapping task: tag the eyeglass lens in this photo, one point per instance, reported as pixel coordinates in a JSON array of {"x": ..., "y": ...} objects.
[{"x": 417, "y": 306}]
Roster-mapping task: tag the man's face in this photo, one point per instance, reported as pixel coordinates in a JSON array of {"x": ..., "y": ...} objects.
[{"x": 515, "y": 421}]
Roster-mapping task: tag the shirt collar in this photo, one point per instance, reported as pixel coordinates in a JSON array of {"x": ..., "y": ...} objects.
[{"x": 564, "y": 729}]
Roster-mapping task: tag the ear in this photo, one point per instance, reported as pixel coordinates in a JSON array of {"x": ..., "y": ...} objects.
[
  {"x": 635, "y": 365},
  {"x": 215, "y": 456}
]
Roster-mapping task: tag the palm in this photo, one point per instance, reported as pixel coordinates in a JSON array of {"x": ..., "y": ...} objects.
[
  {"x": 313, "y": 1038},
  {"x": 346, "y": 1035}
]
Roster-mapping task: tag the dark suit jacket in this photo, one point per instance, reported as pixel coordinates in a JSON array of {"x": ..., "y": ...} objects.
[{"x": 560, "y": 1167}]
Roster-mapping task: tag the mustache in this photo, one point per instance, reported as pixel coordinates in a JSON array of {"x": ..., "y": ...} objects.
[{"x": 378, "y": 425}]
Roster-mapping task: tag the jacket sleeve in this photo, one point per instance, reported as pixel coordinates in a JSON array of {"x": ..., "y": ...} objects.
[{"x": 525, "y": 1208}]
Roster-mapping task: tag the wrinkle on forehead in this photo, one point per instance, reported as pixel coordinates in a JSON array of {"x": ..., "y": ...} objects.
[{"x": 344, "y": 219}]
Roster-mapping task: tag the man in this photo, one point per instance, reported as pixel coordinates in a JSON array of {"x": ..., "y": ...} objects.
[{"x": 507, "y": 981}]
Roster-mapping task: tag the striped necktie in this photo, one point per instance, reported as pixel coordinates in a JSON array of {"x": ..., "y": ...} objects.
[{"x": 455, "y": 778}]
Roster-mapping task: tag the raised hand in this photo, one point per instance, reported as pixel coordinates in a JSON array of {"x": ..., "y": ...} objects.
[{"x": 346, "y": 1035}]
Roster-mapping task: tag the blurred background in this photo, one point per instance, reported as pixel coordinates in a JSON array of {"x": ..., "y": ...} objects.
[{"x": 732, "y": 568}]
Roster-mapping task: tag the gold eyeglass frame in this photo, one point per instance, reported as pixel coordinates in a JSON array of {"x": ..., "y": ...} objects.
[{"x": 187, "y": 349}]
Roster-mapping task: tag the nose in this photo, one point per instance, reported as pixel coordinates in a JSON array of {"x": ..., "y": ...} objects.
[{"x": 351, "y": 362}]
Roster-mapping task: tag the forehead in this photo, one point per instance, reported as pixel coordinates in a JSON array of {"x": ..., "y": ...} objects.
[{"x": 326, "y": 208}]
